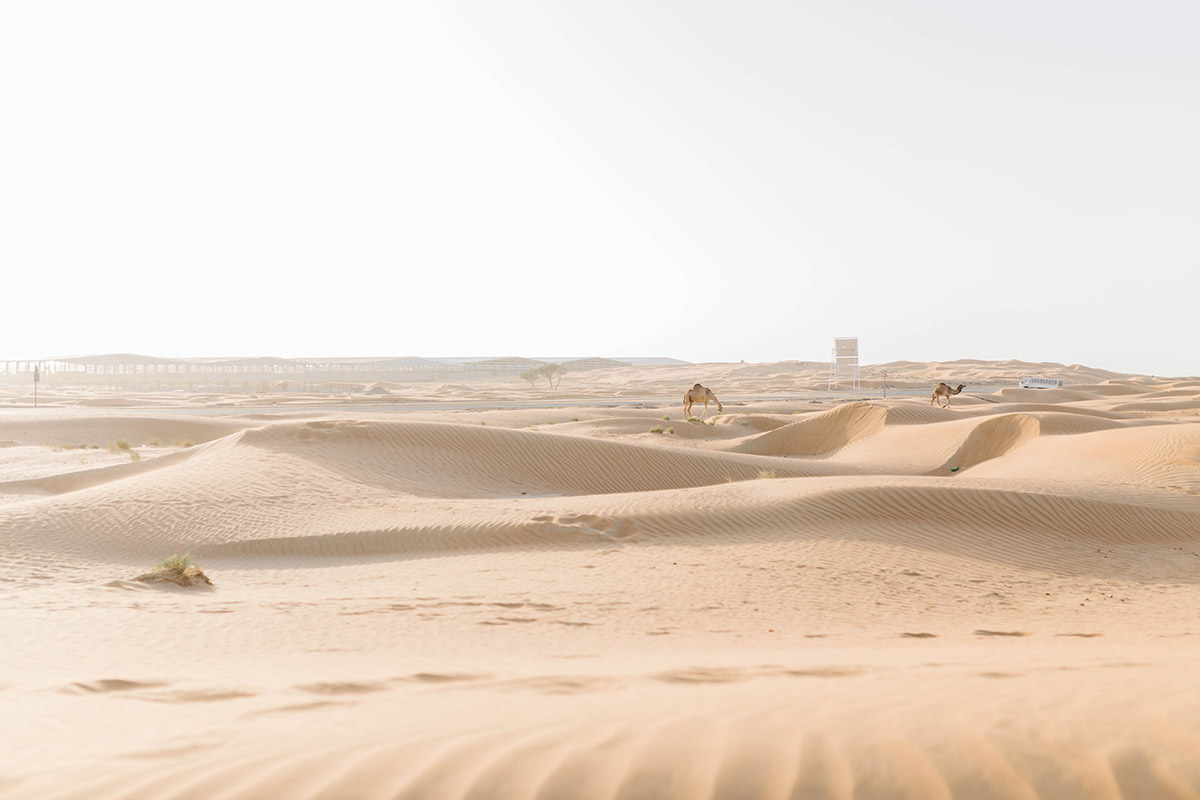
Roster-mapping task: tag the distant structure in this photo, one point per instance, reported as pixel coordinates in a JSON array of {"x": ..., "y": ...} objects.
[
  {"x": 843, "y": 365},
  {"x": 1040, "y": 383}
]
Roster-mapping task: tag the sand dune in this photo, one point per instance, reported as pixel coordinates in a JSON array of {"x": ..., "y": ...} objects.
[
  {"x": 817, "y": 435},
  {"x": 811, "y": 597}
]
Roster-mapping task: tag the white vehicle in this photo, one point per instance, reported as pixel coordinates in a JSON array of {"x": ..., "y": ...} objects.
[{"x": 1040, "y": 383}]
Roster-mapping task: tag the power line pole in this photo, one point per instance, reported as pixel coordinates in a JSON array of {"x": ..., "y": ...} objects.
[{"x": 37, "y": 376}]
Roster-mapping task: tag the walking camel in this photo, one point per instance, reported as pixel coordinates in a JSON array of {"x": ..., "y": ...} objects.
[
  {"x": 700, "y": 394},
  {"x": 945, "y": 391}
]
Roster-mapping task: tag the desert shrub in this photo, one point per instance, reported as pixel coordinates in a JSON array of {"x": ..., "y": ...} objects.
[
  {"x": 154, "y": 442},
  {"x": 766, "y": 473},
  {"x": 178, "y": 569},
  {"x": 666, "y": 416},
  {"x": 177, "y": 561},
  {"x": 657, "y": 429},
  {"x": 135, "y": 456},
  {"x": 670, "y": 430}
]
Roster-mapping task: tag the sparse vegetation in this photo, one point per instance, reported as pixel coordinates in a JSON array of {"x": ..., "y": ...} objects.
[
  {"x": 118, "y": 446},
  {"x": 553, "y": 373},
  {"x": 135, "y": 456},
  {"x": 178, "y": 569},
  {"x": 694, "y": 419},
  {"x": 530, "y": 375},
  {"x": 657, "y": 429},
  {"x": 666, "y": 416},
  {"x": 177, "y": 561},
  {"x": 766, "y": 473},
  {"x": 154, "y": 442},
  {"x": 185, "y": 443},
  {"x": 670, "y": 430}
]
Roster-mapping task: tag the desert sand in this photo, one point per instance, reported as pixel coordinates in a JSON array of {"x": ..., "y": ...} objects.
[{"x": 438, "y": 593}]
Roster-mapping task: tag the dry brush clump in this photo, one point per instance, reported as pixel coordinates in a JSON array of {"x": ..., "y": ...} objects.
[{"x": 178, "y": 569}]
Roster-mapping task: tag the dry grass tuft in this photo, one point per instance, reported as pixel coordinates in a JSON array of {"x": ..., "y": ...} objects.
[
  {"x": 766, "y": 473},
  {"x": 177, "y": 569}
]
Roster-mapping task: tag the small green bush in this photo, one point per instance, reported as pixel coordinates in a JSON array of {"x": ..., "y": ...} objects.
[{"x": 657, "y": 429}]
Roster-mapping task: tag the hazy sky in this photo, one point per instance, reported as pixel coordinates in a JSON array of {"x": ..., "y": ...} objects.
[{"x": 709, "y": 181}]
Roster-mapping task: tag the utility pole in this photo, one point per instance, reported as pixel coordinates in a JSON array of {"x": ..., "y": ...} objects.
[{"x": 37, "y": 376}]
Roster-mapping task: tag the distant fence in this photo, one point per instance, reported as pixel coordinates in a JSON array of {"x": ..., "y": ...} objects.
[{"x": 148, "y": 373}]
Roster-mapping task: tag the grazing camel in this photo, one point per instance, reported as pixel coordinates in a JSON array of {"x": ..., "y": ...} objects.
[
  {"x": 700, "y": 394},
  {"x": 945, "y": 391}
]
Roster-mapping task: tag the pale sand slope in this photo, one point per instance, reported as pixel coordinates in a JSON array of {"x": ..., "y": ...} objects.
[{"x": 992, "y": 600}]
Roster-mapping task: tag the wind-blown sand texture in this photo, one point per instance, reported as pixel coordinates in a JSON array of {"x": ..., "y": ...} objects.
[{"x": 816, "y": 595}]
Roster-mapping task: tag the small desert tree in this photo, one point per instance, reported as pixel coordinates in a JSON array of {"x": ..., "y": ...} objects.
[
  {"x": 530, "y": 375},
  {"x": 553, "y": 374}
]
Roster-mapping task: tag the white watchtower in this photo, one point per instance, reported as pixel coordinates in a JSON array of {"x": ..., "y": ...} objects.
[{"x": 843, "y": 366}]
